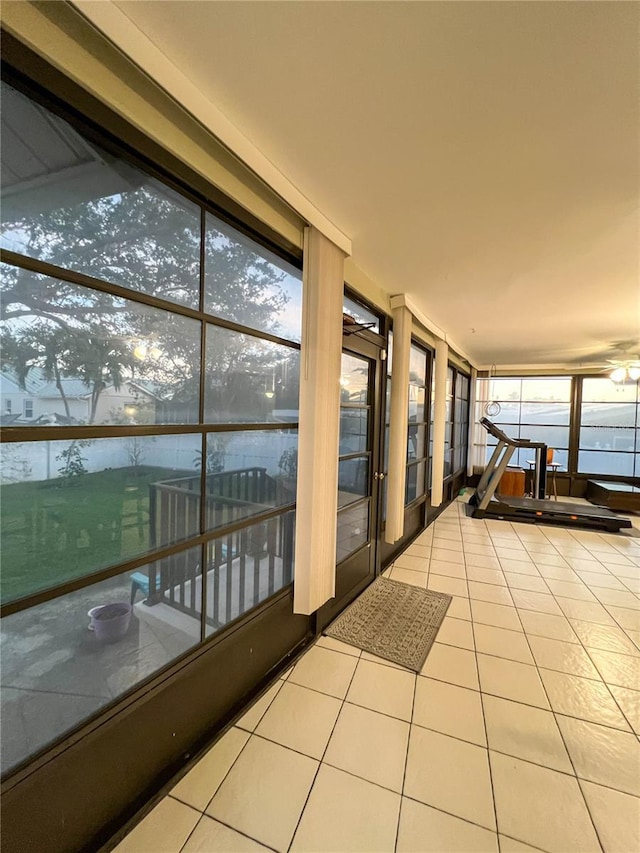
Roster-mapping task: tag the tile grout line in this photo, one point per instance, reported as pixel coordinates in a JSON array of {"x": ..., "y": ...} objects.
[
  {"x": 195, "y": 826},
  {"x": 203, "y": 812},
  {"x": 204, "y": 815},
  {"x": 608, "y": 687},
  {"x": 569, "y": 756},
  {"x": 406, "y": 761},
  {"x": 324, "y": 752},
  {"x": 232, "y": 765},
  {"x": 486, "y": 735},
  {"x": 251, "y": 734},
  {"x": 344, "y": 701}
]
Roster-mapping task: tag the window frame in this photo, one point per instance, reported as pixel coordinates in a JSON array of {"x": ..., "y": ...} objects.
[
  {"x": 520, "y": 402},
  {"x": 634, "y": 453},
  {"x": 424, "y": 460},
  {"x": 157, "y": 163},
  {"x": 574, "y": 425}
]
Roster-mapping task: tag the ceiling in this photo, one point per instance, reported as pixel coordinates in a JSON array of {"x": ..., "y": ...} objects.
[{"x": 482, "y": 157}]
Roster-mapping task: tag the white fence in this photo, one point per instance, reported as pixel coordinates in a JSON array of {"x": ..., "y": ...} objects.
[{"x": 40, "y": 460}]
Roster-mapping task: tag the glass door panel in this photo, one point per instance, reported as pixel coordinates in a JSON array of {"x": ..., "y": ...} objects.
[
  {"x": 359, "y": 473},
  {"x": 355, "y": 453}
]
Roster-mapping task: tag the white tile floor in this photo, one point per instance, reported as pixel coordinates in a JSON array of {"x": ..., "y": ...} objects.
[{"x": 520, "y": 733}]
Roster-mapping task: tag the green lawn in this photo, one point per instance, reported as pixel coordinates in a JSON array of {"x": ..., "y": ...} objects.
[{"x": 54, "y": 531}]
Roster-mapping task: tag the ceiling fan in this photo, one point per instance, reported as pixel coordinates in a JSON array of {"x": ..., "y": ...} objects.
[
  {"x": 622, "y": 370},
  {"x": 621, "y": 361}
]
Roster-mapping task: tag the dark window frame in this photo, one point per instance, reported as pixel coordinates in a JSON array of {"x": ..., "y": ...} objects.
[
  {"x": 574, "y": 426},
  {"x": 518, "y": 426},
  {"x": 122, "y": 148},
  {"x": 635, "y": 453},
  {"x": 457, "y": 376},
  {"x": 425, "y": 458}
]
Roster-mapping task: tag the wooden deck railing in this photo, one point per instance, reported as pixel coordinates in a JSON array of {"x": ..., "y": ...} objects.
[{"x": 243, "y": 567}]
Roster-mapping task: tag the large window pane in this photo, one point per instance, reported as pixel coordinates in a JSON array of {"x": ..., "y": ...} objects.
[
  {"x": 544, "y": 413},
  {"x": 80, "y": 356},
  {"x": 603, "y": 390},
  {"x": 505, "y": 389},
  {"x": 608, "y": 438},
  {"x": 548, "y": 389},
  {"x": 353, "y": 529},
  {"x": 509, "y": 414},
  {"x": 609, "y": 414},
  {"x": 247, "y": 284},
  {"x": 448, "y": 410},
  {"x": 553, "y": 436},
  {"x": 248, "y": 472},
  {"x": 417, "y": 421},
  {"x": 353, "y": 479},
  {"x": 354, "y": 379},
  {"x": 599, "y": 462},
  {"x": 246, "y": 567},
  {"x": 415, "y": 482},
  {"x": 416, "y": 403},
  {"x": 462, "y": 387},
  {"x": 609, "y": 427},
  {"x": 417, "y": 365},
  {"x": 524, "y": 458},
  {"x": 527, "y": 406},
  {"x": 70, "y": 508},
  {"x": 61, "y": 669},
  {"x": 70, "y": 203},
  {"x": 354, "y": 430},
  {"x": 249, "y": 380},
  {"x": 416, "y": 442},
  {"x": 447, "y": 459}
]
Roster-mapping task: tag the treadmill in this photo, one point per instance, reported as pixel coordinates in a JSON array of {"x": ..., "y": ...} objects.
[{"x": 487, "y": 504}]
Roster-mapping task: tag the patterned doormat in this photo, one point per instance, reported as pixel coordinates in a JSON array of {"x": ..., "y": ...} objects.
[{"x": 393, "y": 620}]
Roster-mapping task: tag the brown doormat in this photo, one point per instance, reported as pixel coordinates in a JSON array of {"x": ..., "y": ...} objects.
[{"x": 393, "y": 620}]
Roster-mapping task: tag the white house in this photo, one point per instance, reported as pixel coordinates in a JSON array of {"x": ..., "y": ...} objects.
[{"x": 40, "y": 400}]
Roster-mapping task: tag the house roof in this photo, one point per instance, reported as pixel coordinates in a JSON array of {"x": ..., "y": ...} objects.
[{"x": 37, "y": 385}]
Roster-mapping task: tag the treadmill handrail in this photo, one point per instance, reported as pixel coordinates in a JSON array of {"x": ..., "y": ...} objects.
[{"x": 496, "y": 432}]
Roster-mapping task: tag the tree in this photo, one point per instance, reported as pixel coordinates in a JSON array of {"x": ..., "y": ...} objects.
[
  {"x": 66, "y": 334},
  {"x": 146, "y": 238},
  {"x": 240, "y": 285},
  {"x": 72, "y": 467}
]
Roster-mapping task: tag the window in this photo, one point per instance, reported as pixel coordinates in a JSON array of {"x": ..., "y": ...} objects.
[
  {"x": 167, "y": 401},
  {"x": 609, "y": 425},
  {"x": 417, "y": 424},
  {"x": 460, "y": 433},
  {"x": 107, "y": 219},
  {"x": 250, "y": 285},
  {"x": 448, "y": 423},
  {"x": 535, "y": 408},
  {"x": 97, "y": 358},
  {"x": 387, "y": 422}
]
